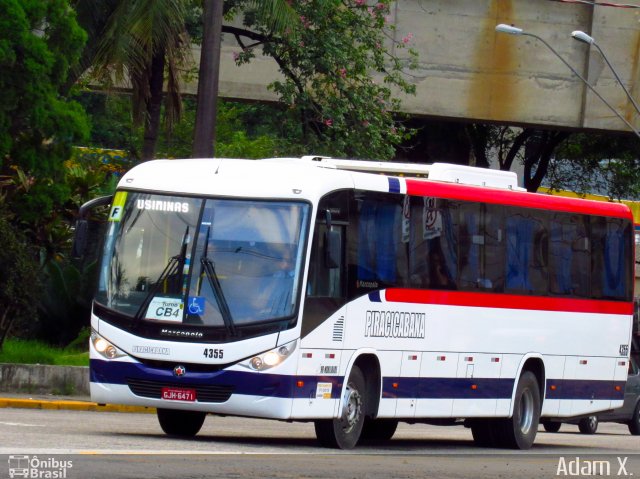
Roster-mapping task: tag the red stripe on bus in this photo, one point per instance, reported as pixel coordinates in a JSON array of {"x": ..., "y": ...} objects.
[
  {"x": 516, "y": 198},
  {"x": 507, "y": 301}
]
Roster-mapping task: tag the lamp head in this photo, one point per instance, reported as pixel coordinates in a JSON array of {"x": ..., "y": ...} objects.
[
  {"x": 583, "y": 37},
  {"x": 504, "y": 28}
]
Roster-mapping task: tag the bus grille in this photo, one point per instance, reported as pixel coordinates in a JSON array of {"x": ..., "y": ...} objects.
[{"x": 204, "y": 392}]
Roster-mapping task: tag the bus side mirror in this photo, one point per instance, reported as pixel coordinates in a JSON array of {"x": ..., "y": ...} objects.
[
  {"x": 333, "y": 249},
  {"x": 80, "y": 239}
]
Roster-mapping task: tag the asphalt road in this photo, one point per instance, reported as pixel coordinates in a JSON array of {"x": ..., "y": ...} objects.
[{"x": 117, "y": 445}]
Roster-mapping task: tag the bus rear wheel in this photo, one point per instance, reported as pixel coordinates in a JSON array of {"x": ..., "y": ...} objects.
[
  {"x": 485, "y": 432},
  {"x": 519, "y": 431},
  {"x": 634, "y": 424},
  {"x": 588, "y": 425},
  {"x": 378, "y": 429},
  {"x": 551, "y": 426},
  {"x": 344, "y": 431},
  {"x": 180, "y": 423}
]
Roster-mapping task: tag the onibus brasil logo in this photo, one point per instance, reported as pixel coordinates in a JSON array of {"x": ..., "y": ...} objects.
[{"x": 33, "y": 467}]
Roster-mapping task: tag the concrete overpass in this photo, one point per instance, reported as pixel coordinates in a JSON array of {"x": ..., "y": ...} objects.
[{"x": 468, "y": 71}]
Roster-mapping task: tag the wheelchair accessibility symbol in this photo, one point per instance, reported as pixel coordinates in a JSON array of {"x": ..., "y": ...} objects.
[{"x": 196, "y": 305}]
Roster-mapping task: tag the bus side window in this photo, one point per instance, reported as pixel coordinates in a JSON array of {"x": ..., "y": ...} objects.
[
  {"x": 378, "y": 242},
  {"x": 527, "y": 252},
  {"x": 610, "y": 275},
  {"x": 481, "y": 247},
  {"x": 569, "y": 263},
  {"x": 324, "y": 282},
  {"x": 433, "y": 246}
]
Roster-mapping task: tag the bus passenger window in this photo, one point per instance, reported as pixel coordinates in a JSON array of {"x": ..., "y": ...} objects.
[
  {"x": 378, "y": 236},
  {"x": 610, "y": 275},
  {"x": 569, "y": 262},
  {"x": 433, "y": 247},
  {"x": 527, "y": 252}
]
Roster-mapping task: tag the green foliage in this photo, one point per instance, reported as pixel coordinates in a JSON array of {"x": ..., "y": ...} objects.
[
  {"x": 606, "y": 164},
  {"x": 244, "y": 130},
  {"x": 39, "y": 40},
  {"x": 21, "y": 351},
  {"x": 327, "y": 58},
  {"x": 20, "y": 282},
  {"x": 65, "y": 303},
  {"x": 112, "y": 121}
]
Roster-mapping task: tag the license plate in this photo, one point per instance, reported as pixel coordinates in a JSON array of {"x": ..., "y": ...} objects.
[{"x": 179, "y": 394}]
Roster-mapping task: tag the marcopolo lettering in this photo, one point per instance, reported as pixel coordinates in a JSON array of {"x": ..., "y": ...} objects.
[
  {"x": 394, "y": 324},
  {"x": 178, "y": 333},
  {"x": 159, "y": 205}
]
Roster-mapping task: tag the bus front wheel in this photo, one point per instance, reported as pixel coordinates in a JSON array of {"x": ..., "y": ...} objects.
[
  {"x": 344, "y": 431},
  {"x": 180, "y": 423}
]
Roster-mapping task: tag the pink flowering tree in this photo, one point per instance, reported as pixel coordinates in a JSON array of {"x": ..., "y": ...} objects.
[{"x": 340, "y": 66}]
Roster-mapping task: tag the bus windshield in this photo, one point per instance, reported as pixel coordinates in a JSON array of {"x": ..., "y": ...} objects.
[{"x": 208, "y": 262}]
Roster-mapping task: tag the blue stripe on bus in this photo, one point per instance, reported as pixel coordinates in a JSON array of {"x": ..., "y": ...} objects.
[
  {"x": 284, "y": 386},
  {"x": 374, "y": 297},
  {"x": 583, "y": 389},
  {"x": 394, "y": 185},
  {"x": 447, "y": 388},
  {"x": 247, "y": 383},
  {"x": 494, "y": 388}
]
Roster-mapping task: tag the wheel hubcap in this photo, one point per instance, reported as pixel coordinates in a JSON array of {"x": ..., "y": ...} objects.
[
  {"x": 526, "y": 411},
  {"x": 352, "y": 409}
]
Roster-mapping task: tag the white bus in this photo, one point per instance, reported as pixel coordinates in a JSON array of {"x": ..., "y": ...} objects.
[{"x": 359, "y": 294}]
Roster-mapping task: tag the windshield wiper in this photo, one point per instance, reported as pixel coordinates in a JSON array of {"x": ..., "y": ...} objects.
[
  {"x": 174, "y": 267},
  {"x": 210, "y": 272}
]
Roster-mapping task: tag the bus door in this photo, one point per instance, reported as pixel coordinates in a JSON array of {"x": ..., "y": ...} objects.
[{"x": 323, "y": 322}]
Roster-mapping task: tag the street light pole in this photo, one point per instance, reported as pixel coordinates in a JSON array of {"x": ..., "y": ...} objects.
[
  {"x": 503, "y": 28},
  {"x": 583, "y": 37}
]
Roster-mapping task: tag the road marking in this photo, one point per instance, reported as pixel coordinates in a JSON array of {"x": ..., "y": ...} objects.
[{"x": 20, "y": 424}]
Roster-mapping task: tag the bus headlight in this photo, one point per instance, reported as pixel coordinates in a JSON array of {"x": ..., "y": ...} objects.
[
  {"x": 104, "y": 347},
  {"x": 272, "y": 358}
]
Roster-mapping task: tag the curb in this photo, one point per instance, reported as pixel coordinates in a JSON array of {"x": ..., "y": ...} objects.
[
  {"x": 71, "y": 406},
  {"x": 44, "y": 379}
]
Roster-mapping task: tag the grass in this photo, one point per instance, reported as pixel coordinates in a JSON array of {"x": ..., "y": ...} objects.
[{"x": 38, "y": 352}]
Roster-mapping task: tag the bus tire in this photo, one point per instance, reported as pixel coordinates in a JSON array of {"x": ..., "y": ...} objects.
[
  {"x": 588, "y": 425},
  {"x": 551, "y": 426},
  {"x": 378, "y": 429},
  {"x": 485, "y": 432},
  {"x": 634, "y": 424},
  {"x": 344, "y": 432},
  {"x": 180, "y": 423},
  {"x": 519, "y": 431}
]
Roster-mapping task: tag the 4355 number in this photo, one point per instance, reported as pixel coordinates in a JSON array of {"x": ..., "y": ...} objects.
[{"x": 211, "y": 353}]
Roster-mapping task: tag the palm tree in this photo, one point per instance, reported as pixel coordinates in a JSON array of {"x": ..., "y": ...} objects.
[{"x": 137, "y": 42}]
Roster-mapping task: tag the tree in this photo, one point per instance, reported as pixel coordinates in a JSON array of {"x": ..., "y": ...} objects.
[
  {"x": 533, "y": 148},
  {"x": 139, "y": 41},
  {"x": 603, "y": 163},
  {"x": 19, "y": 280},
  {"x": 39, "y": 41},
  {"x": 278, "y": 14},
  {"x": 329, "y": 57}
]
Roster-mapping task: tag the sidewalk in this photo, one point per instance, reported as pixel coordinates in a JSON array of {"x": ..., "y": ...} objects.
[{"x": 80, "y": 403}]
